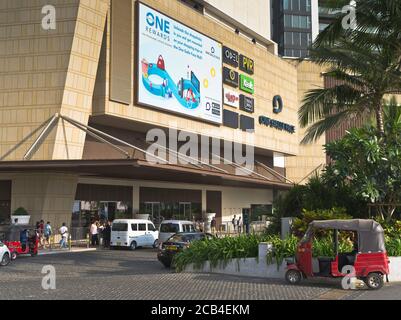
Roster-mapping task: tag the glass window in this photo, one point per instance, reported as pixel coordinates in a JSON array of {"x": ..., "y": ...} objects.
[
  {"x": 119, "y": 227},
  {"x": 295, "y": 22},
  {"x": 188, "y": 228},
  {"x": 286, "y": 4},
  {"x": 288, "y": 20},
  {"x": 134, "y": 227},
  {"x": 308, "y": 5},
  {"x": 295, "y": 5},
  {"x": 142, "y": 226},
  {"x": 151, "y": 227},
  {"x": 304, "y": 39},
  {"x": 169, "y": 228}
]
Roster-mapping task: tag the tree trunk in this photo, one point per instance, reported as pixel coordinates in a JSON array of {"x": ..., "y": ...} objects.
[{"x": 380, "y": 120}]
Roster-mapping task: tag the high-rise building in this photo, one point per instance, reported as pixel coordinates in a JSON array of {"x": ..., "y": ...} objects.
[{"x": 297, "y": 23}]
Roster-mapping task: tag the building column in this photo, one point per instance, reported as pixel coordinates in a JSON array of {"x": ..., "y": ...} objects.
[
  {"x": 135, "y": 199},
  {"x": 45, "y": 196},
  {"x": 204, "y": 202}
]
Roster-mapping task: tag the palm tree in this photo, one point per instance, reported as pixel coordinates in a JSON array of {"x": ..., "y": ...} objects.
[{"x": 365, "y": 62}]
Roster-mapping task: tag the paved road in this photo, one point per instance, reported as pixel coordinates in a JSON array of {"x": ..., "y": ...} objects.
[{"x": 138, "y": 275}]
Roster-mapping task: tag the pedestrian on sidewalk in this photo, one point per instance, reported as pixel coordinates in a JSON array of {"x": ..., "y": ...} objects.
[
  {"x": 213, "y": 224},
  {"x": 94, "y": 234},
  {"x": 107, "y": 235},
  {"x": 64, "y": 236},
  {"x": 47, "y": 232},
  {"x": 41, "y": 229},
  {"x": 239, "y": 225},
  {"x": 234, "y": 222}
]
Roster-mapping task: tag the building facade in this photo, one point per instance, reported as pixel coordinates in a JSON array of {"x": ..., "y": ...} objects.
[{"x": 85, "y": 107}]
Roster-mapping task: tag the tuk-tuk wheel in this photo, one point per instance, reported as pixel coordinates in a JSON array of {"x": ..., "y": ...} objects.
[
  {"x": 374, "y": 281},
  {"x": 293, "y": 276},
  {"x": 14, "y": 255}
]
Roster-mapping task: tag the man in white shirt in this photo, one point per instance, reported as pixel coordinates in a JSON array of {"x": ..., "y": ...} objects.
[
  {"x": 94, "y": 234},
  {"x": 64, "y": 235}
]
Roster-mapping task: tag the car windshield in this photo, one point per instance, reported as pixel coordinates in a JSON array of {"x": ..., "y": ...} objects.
[
  {"x": 186, "y": 237},
  {"x": 170, "y": 227},
  {"x": 119, "y": 227}
]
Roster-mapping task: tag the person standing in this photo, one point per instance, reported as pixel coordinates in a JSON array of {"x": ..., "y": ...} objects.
[
  {"x": 213, "y": 225},
  {"x": 94, "y": 234},
  {"x": 239, "y": 225},
  {"x": 64, "y": 235},
  {"x": 107, "y": 235},
  {"x": 47, "y": 232},
  {"x": 41, "y": 233},
  {"x": 234, "y": 222}
]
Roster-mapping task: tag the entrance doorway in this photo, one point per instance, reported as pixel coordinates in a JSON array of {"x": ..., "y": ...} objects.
[
  {"x": 185, "y": 211},
  {"x": 153, "y": 210}
]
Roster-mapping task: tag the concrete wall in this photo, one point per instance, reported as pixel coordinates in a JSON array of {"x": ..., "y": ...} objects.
[{"x": 255, "y": 14}]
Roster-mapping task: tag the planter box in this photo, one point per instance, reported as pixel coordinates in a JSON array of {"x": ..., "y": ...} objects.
[
  {"x": 22, "y": 220},
  {"x": 252, "y": 267}
]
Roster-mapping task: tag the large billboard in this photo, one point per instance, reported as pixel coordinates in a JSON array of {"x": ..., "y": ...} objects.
[{"x": 178, "y": 69}]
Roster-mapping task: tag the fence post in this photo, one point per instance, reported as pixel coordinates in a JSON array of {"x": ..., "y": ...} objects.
[{"x": 69, "y": 241}]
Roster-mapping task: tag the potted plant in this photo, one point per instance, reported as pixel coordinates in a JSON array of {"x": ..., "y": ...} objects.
[{"x": 22, "y": 215}]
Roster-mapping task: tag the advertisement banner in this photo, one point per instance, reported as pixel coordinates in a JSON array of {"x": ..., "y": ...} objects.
[
  {"x": 230, "y": 57},
  {"x": 230, "y": 77},
  {"x": 247, "y": 84},
  {"x": 246, "y": 64},
  {"x": 247, "y": 104},
  {"x": 231, "y": 98},
  {"x": 178, "y": 69}
]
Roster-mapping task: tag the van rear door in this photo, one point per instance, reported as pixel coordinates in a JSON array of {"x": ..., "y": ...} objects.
[{"x": 119, "y": 234}]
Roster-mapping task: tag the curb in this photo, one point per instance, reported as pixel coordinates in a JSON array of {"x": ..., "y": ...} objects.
[{"x": 66, "y": 251}]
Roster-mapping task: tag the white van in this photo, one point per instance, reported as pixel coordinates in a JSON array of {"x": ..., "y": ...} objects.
[
  {"x": 170, "y": 227},
  {"x": 133, "y": 233}
]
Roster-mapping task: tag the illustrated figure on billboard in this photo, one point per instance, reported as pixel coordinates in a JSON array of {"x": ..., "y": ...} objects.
[{"x": 187, "y": 94}]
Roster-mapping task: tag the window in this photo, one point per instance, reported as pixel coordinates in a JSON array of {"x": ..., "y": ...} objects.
[
  {"x": 142, "y": 226},
  {"x": 308, "y": 5},
  {"x": 151, "y": 227},
  {"x": 134, "y": 227},
  {"x": 169, "y": 228},
  {"x": 188, "y": 228},
  {"x": 119, "y": 227},
  {"x": 287, "y": 4}
]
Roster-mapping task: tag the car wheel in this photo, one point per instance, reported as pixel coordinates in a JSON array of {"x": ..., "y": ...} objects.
[
  {"x": 14, "y": 255},
  {"x": 5, "y": 260},
  {"x": 374, "y": 281},
  {"x": 293, "y": 276},
  {"x": 155, "y": 244},
  {"x": 133, "y": 246}
]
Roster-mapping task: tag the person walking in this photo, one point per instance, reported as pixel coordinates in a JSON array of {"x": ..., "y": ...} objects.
[
  {"x": 47, "y": 232},
  {"x": 64, "y": 235},
  {"x": 213, "y": 225},
  {"x": 239, "y": 225},
  {"x": 107, "y": 235},
  {"x": 94, "y": 234},
  {"x": 41, "y": 230}
]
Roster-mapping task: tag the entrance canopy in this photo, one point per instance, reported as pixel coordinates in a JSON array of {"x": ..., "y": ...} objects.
[{"x": 370, "y": 232}]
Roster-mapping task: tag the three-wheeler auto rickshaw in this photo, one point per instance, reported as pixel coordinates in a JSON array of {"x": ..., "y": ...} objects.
[
  {"x": 368, "y": 259},
  {"x": 20, "y": 239}
]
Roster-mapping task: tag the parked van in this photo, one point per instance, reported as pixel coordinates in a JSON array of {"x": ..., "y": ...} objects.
[
  {"x": 170, "y": 227},
  {"x": 133, "y": 233}
]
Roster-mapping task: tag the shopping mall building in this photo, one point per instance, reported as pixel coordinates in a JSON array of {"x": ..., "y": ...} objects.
[{"x": 85, "y": 89}]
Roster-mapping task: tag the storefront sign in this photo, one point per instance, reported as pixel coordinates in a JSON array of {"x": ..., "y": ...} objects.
[
  {"x": 247, "y": 84},
  {"x": 246, "y": 64},
  {"x": 277, "y": 104},
  {"x": 230, "y": 77},
  {"x": 230, "y": 57},
  {"x": 247, "y": 104},
  {"x": 178, "y": 68},
  {"x": 231, "y": 98},
  {"x": 268, "y": 122}
]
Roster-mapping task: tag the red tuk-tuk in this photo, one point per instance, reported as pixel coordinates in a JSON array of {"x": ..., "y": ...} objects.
[
  {"x": 20, "y": 239},
  {"x": 368, "y": 259}
]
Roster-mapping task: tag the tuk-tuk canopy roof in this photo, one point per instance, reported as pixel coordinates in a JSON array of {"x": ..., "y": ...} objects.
[
  {"x": 370, "y": 232},
  {"x": 12, "y": 232}
]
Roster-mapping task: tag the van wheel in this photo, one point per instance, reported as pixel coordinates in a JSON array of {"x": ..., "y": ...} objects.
[
  {"x": 155, "y": 244},
  {"x": 6, "y": 260},
  {"x": 374, "y": 281},
  {"x": 133, "y": 246},
  {"x": 293, "y": 276}
]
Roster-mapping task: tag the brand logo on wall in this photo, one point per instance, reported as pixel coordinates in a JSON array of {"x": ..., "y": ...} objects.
[
  {"x": 246, "y": 64},
  {"x": 230, "y": 77},
  {"x": 230, "y": 57},
  {"x": 247, "y": 104},
  {"x": 231, "y": 98},
  {"x": 268, "y": 122},
  {"x": 247, "y": 84},
  {"x": 158, "y": 22},
  {"x": 277, "y": 104}
]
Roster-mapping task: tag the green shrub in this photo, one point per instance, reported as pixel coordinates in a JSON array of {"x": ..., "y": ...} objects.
[{"x": 20, "y": 212}]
